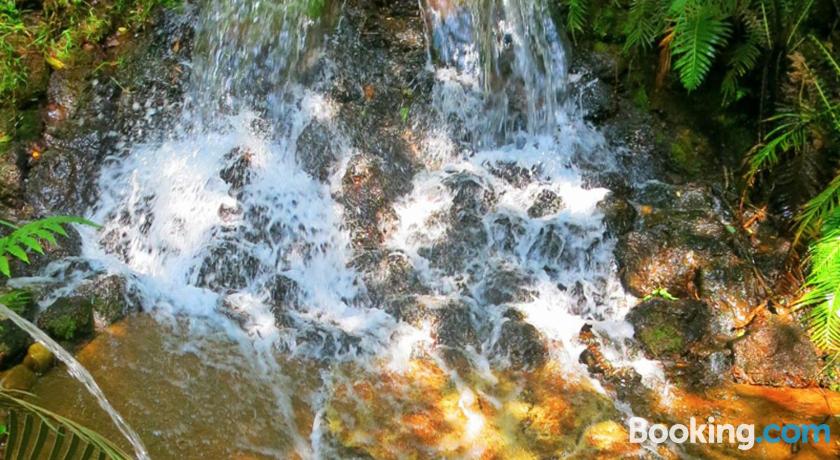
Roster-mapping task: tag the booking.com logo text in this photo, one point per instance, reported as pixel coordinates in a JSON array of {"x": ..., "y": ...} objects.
[{"x": 744, "y": 435}]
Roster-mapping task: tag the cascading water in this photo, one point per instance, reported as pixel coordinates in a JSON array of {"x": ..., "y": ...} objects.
[{"x": 220, "y": 228}]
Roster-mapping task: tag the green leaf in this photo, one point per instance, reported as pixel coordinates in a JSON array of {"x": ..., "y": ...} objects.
[
  {"x": 16, "y": 251},
  {"x": 698, "y": 33},
  {"x": 4, "y": 266},
  {"x": 32, "y": 244}
]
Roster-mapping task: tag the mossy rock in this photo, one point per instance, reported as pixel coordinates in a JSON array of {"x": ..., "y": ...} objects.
[
  {"x": 690, "y": 152},
  {"x": 668, "y": 329},
  {"x": 68, "y": 319}
]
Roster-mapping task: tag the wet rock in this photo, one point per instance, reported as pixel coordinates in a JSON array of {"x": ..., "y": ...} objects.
[
  {"x": 111, "y": 297},
  {"x": 64, "y": 93},
  {"x": 466, "y": 235},
  {"x": 238, "y": 173},
  {"x": 609, "y": 438},
  {"x": 11, "y": 179},
  {"x": 506, "y": 286},
  {"x": 598, "y": 101},
  {"x": 506, "y": 231},
  {"x": 283, "y": 291},
  {"x": 512, "y": 173},
  {"x": 19, "y": 378},
  {"x": 546, "y": 203},
  {"x": 619, "y": 214},
  {"x": 227, "y": 268},
  {"x": 454, "y": 332},
  {"x": 669, "y": 329},
  {"x": 776, "y": 351},
  {"x": 521, "y": 344},
  {"x": 13, "y": 340},
  {"x": 683, "y": 334},
  {"x": 38, "y": 358},
  {"x": 69, "y": 319},
  {"x": 315, "y": 151},
  {"x": 682, "y": 242}
]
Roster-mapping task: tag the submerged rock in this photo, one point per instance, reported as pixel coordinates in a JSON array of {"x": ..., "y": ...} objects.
[
  {"x": 776, "y": 351},
  {"x": 38, "y": 358},
  {"x": 68, "y": 319},
  {"x": 19, "y": 378}
]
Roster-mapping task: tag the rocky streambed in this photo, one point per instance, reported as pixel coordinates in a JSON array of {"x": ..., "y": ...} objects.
[{"x": 387, "y": 250}]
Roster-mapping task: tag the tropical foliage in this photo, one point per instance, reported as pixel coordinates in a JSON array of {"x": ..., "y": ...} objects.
[
  {"x": 34, "y": 432},
  {"x": 31, "y": 237},
  {"x": 55, "y": 33}
]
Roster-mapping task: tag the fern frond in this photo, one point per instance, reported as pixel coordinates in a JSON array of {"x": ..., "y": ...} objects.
[
  {"x": 823, "y": 286},
  {"x": 16, "y": 300},
  {"x": 699, "y": 32},
  {"x": 790, "y": 133},
  {"x": 645, "y": 23},
  {"x": 576, "y": 15},
  {"x": 815, "y": 212},
  {"x": 31, "y": 236}
]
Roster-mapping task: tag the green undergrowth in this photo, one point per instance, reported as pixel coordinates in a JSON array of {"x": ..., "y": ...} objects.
[{"x": 56, "y": 34}]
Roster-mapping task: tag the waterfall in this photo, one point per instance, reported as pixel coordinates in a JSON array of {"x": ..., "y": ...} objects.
[{"x": 223, "y": 225}]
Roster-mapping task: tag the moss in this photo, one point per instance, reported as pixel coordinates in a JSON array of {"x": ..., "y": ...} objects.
[
  {"x": 689, "y": 151},
  {"x": 63, "y": 328},
  {"x": 641, "y": 100},
  {"x": 661, "y": 340}
]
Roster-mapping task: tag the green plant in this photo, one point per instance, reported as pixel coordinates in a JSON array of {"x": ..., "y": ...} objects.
[
  {"x": 661, "y": 293},
  {"x": 31, "y": 236},
  {"x": 823, "y": 286},
  {"x": 30, "y": 427}
]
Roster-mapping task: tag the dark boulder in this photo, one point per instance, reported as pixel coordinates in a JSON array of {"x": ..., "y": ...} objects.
[
  {"x": 111, "y": 296},
  {"x": 14, "y": 340},
  {"x": 684, "y": 336},
  {"x": 68, "y": 319},
  {"x": 520, "y": 343},
  {"x": 547, "y": 202},
  {"x": 683, "y": 241},
  {"x": 776, "y": 351}
]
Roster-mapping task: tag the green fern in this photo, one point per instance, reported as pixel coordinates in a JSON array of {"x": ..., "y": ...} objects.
[
  {"x": 16, "y": 300},
  {"x": 823, "y": 286},
  {"x": 576, "y": 15},
  {"x": 645, "y": 22},
  {"x": 698, "y": 34},
  {"x": 30, "y": 427},
  {"x": 31, "y": 237}
]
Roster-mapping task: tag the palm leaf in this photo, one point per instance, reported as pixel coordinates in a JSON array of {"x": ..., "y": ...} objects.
[{"x": 83, "y": 442}]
